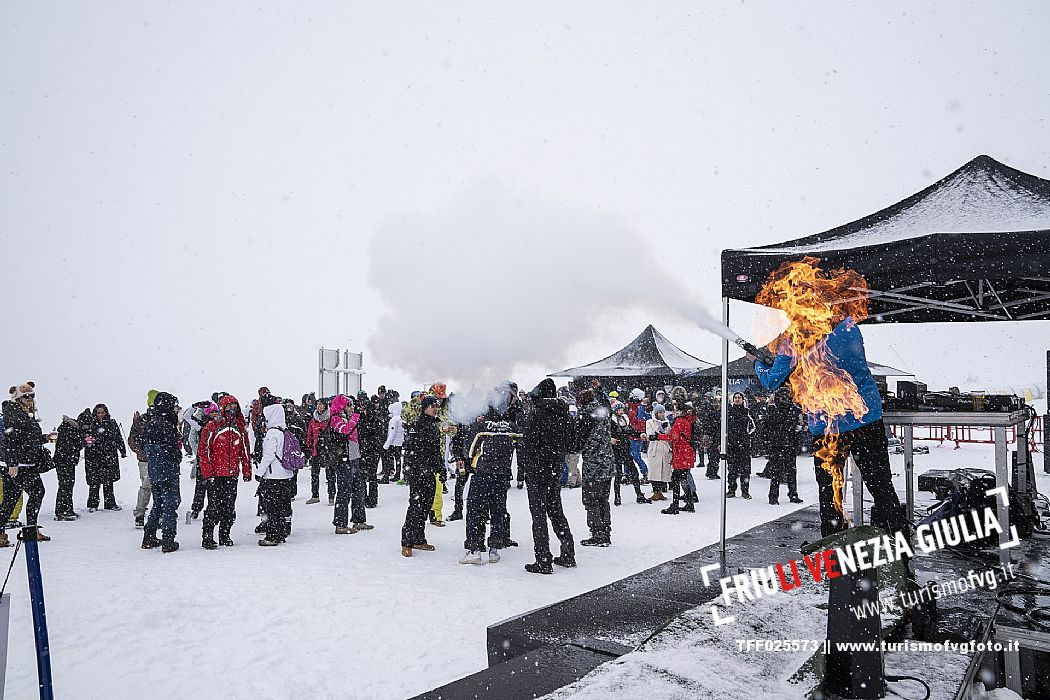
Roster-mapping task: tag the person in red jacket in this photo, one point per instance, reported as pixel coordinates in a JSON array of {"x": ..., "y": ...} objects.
[
  {"x": 223, "y": 451},
  {"x": 683, "y": 457}
]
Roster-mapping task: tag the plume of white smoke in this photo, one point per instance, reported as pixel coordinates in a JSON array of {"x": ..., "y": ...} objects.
[
  {"x": 465, "y": 407},
  {"x": 501, "y": 277}
]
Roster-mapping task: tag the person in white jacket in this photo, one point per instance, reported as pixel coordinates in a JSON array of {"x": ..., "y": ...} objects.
[
  {"x": 658, "y": 452},
  {"x": 275, "y": 487},
  {"x": 395, "y": 440}
]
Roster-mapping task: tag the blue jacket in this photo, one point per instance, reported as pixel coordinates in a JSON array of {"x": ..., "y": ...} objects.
[
  {"x": 846, "y": 344},
  {"x": 160, "y": 437}
]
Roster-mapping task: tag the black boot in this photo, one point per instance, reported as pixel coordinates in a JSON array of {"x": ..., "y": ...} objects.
[
  {"x": 168, "y": 546},
  {"x": 224, "y": 536},
  {"x": 671, "y": 509},
  {"x": 688, "y": 508},
  {"x": 208, "y": 536},
  {"x": 539, "y": 568},
  {"x": 795, "y": 499},
  {"x": 456, "y": 515},
  {"x": 149, "y": 540},
  {"x": 566, "y": 560},
  {"x": 745, "y": 489}
]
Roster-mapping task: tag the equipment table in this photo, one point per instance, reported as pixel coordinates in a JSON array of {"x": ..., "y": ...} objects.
[{"x": 999, "y": 422}]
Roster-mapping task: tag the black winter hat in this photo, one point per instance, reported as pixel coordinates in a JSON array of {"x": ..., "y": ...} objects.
[
  {"x": 428, "y": 401},
  {"x": 165, "y": 402},
  {"x": 545, "y": 390}
]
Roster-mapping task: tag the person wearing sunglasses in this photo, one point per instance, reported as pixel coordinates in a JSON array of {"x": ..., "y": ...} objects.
[{"x": 24, "y": 457}]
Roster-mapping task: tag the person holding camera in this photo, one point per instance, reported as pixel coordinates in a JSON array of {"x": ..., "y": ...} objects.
[{"x": 658, "y": 451}]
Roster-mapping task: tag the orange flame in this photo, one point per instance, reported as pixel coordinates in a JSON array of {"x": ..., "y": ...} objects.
[{"x": 816, "y": 302}]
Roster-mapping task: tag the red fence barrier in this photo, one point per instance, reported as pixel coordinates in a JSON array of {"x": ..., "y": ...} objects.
[{"x": 972, "y": 434}]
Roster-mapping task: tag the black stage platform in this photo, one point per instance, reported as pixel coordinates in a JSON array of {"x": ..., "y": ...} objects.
[{"x": 544, "y": 650}]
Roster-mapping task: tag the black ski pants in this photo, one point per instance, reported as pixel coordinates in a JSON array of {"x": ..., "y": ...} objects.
[
  {"x": 596, "y": 503},
  {"x": 67, "y": 477},
  {"x": 421, "y": 488},
  {"x": 870, "y": 450},
  {"x": 392, "y": 464},
  {"x": 461, "y": 481},
  {"x": 739, "y": 469},
  {"x": 222, "y": 505},
  {"x": 544, "y": 491},
  {"x": 782, "y": 470},
  {"x": 29, "y": 481},
  {"x": 200, "y": 490},
  {"x": 316, "y": 465},
  {"x": 275, "y": 495},
  {"x": 370, "y": 465}
]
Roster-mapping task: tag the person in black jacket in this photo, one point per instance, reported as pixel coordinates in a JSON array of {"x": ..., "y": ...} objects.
[
  {"x": 739, "y": 427},
  {"x": 490, "y": 446},
  {"x": 709, "y": 421},
  {"x": 782, "y": 424},
  {"x": 24, "y": 456},
  {"x": 68, "y": 447},
  {"x": 547, "y": 439},
  {"x": 463, "y": 471},
  {"x": 423, "y": 462},
  {"x": 102, "y": 443},
  {"x": 372, "y": 431}
]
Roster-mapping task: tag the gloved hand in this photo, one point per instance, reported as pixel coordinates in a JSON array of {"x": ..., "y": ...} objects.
[{"x": 247, "y": 478}]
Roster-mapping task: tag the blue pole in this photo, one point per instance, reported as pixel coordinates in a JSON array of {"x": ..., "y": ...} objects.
[{"x": 36, "y": 594}]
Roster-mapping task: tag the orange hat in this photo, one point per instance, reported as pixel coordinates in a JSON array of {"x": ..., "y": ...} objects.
[{"x": 439, "y": 390}]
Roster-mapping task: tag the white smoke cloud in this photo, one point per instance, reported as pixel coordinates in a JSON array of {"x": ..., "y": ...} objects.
[{"x": 500, "y": 277}]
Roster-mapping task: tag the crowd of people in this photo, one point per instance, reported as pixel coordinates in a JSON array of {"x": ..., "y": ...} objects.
[{"x": 573, "y": 437}]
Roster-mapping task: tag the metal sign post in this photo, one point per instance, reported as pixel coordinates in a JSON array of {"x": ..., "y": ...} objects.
[
  {"x": 339, "y": 372},
  {"x": 5, "y": 623},
  {"x": 36, "y": 594}
]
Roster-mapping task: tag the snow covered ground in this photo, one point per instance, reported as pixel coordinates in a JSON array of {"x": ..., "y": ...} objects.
[{"x": 324, "y": 616}]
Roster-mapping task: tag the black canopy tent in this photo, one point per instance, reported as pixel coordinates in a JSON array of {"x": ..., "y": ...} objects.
[
  {"x": 974, "y": 246},
  {"x": 649, "y": 360}
]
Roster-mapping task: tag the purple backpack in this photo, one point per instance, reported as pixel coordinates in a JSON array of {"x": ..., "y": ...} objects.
[{"x": 292, "y": 457}]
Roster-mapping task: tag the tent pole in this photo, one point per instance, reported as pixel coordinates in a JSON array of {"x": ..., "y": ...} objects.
[{"x": 723, "y": 438}]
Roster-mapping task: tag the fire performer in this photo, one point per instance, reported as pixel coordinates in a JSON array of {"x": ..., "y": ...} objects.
[{"x": 821, "y": 355}]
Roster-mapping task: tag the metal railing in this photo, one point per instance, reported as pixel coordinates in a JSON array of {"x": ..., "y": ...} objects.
[{"x": 974, "y": 434}]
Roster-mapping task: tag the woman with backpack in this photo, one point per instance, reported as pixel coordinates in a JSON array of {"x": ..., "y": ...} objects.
[
  {"x": 683, "y": 457},
  {"x": 102, "y": 442},
  {"x": 275, "y": 487}
]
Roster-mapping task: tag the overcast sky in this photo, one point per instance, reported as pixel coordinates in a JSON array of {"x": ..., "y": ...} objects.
[{"x": 196, "y": 196}]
